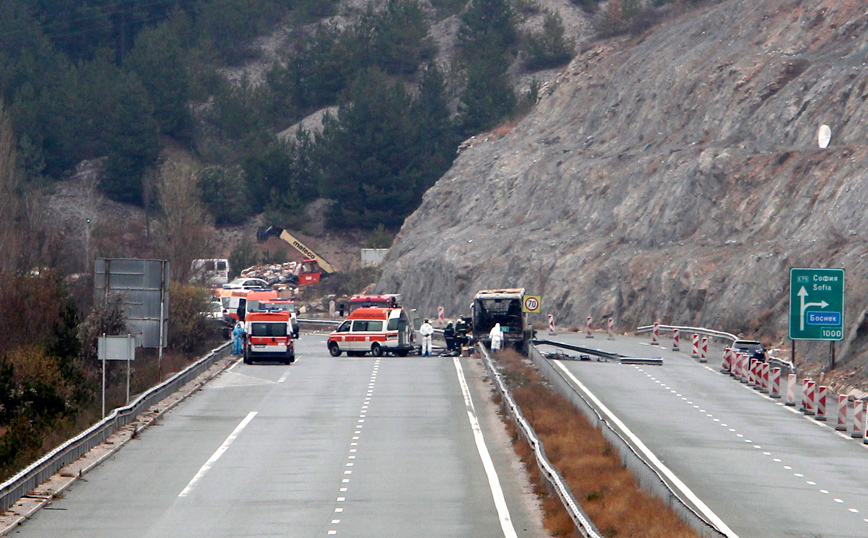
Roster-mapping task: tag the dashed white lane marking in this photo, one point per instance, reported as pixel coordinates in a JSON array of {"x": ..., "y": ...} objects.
[
  {"x": 759, "y": 447},
  {"x": 283, "y": 377},
  {"x": 681, "y": 486},
  {"x": 216, "y": 455},
  {"x": 354, "y": 443},
  {"x": 493, "y": 482}
]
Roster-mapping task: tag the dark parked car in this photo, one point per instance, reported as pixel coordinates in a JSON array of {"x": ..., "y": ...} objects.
[{"x": 753, "y": 349}]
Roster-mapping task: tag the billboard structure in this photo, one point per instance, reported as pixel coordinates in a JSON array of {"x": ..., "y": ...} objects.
[{"x": 143, "y": 286}]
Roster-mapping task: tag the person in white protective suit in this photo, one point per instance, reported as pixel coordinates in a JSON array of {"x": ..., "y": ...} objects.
[
  {"x": 496, "y": 336},
  {"x": 426, "y": 330}
]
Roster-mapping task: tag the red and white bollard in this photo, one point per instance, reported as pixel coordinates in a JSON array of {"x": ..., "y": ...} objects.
[
  {"x": 745, "y": 368},
  {"x": 791, "y": 390},
  {"x": 858, "y": 411},
  {"x": 695, "y": 353},
  {"x": 751, "y": 374},
  {"x": 589, "y": 327},
  {"x": 655, "y": 334},
  {"x": 552, "y": 324},
  {"x": 775, "y": 383},
  {"x": 841, "y": 425},
  {"x": 675, "y": 339},
  {"x": 611, "y": 329},
  {"x": 703, "y": 350},
  {"x": 821, "y": 403},
  {"x": 737, "y": 365},
  {"x": 764, "y": 377},
  {"x": 726, "y": 365},
  {"x": 441, "y": 318},
  {"x": 809, "y": 396}
]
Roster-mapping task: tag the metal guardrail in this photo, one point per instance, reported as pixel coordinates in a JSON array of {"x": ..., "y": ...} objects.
[
  {"x": 580, "y": 519},
  {"x": 648, "y": 477},
  {"x": 580, "y": 349},
  {"x": 38, "y": 472},
  {"x": 785, "y": 365}
]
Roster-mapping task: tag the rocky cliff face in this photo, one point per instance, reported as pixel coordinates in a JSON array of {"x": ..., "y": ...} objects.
[{"x": 673, "y": 177}]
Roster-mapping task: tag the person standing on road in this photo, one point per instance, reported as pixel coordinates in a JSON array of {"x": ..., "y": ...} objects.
[
  {"x": 237, "y": 338},
  {"x": 426, "y": 330},
  {"x": 449, "y": 336},
  {"x": 496, "y": 336}
]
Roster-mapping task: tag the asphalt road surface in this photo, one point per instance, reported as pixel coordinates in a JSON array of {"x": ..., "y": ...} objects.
[
  {"x": 762, "y": 468},
  {"x": 325, "y": 447}
]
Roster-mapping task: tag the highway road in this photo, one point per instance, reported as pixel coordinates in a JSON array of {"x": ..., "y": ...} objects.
[
  {"x": 764, "y": 469},
  {"x": 325, "y": 447}
]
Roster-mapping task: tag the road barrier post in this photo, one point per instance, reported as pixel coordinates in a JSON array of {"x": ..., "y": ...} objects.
[
  {"x": 841, "y": 425},
  {"x": 703, "y": 350},
  {"x": 589, "y": 334},
  {"x": 675, "y": 338},
  {"x": 441, "y": 318},
  {"x": 695, "y": 353},
  {"x": 821, "y": 403},
  {"x": 808, "y": 396},
  {"x": 745, "y": 368},
  {"x": 655, "y": 334},
  {"x": 775, "y": 383},
  {"x": 552, "y": 325},
  {"x": 751, "y": 374},
  {"x": 858, "y": 411},
  {"x": 791, "y": 390},
  {"x": 611, "y": 329},
  {"x": 764, "y": 376},
  {"x": 737, "y": 364},
  {"x": 726, "y": 365}
]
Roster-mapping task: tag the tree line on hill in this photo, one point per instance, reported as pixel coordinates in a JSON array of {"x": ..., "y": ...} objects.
[{"x": 120, "y": 80}]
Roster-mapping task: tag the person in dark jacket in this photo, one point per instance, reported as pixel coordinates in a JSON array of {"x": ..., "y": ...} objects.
[{"x": 449, "y": 336}]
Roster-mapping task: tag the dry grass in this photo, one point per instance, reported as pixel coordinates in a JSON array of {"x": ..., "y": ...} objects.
[{"x": 607, "y": 492}]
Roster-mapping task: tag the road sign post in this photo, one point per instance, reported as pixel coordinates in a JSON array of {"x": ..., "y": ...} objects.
[{"x": 816, "y": 304}]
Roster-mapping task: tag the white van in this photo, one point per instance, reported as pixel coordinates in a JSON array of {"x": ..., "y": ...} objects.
[{"x": 211, "y": 272}]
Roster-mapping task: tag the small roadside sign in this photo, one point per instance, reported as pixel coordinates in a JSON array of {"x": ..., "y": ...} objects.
[
  {"x": 531, "y": 304},
  {"x": 816, "y": 304}
]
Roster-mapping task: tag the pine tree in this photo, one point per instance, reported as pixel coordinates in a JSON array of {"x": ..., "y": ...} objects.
[
  {"x": 488, "y": 97},
  {"x": 548, "y": 48},
  {"x": 158, "y": 60},
  {"x": 437, "y": 138},
  {"x": 486, "y": 27}
]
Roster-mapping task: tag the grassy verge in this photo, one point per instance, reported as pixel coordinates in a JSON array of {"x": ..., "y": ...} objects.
[{"x": 607, "y": 492}]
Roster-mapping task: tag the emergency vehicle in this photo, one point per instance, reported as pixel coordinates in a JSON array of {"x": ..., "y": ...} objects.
[
  {"x": 231, "y": 299},
  {"x": 388, "y": 300},
  {"x": 269, "y": 337},
  {"x": 270, "y": 301},
  {"x": 374, "y": 330}
]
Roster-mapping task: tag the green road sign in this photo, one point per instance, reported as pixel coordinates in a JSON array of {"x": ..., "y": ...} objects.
[{"x": 816, "y": 304}]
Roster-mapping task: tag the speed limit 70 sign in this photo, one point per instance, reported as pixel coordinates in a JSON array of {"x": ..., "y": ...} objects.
[{"x": 531, "y": 304}]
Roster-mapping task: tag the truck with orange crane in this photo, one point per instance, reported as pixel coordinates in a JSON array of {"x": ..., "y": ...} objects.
[{"x": 311, "y": 269}]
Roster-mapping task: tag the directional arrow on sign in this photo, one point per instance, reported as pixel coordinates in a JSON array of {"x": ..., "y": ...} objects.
[{"x": 802, "y": 295}]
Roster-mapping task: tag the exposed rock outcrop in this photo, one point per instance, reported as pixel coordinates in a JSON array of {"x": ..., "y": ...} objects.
[{"x": 674, "y": 177}]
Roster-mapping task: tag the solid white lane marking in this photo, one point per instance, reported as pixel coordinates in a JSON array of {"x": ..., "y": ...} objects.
[
  {"x": 681, "y": 486},
  {"x": 493, "y": 482},
  {"x": 216, "y": 456},
  {"x": 283, "y": 377}
]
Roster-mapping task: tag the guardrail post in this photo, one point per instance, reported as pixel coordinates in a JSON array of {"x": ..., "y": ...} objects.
[
  {"x": 791, "y": 390},
  {"x": 675, "y": 338},
  {"x": 695, "y": 353},
  {"x": 841, "y": 426},
  {"x": 775, "y": 383}
]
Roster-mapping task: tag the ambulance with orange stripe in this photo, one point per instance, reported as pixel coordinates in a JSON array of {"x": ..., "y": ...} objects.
[
  {"x": 375, "y": 331},
  {"x": 269, "y": 337}
]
